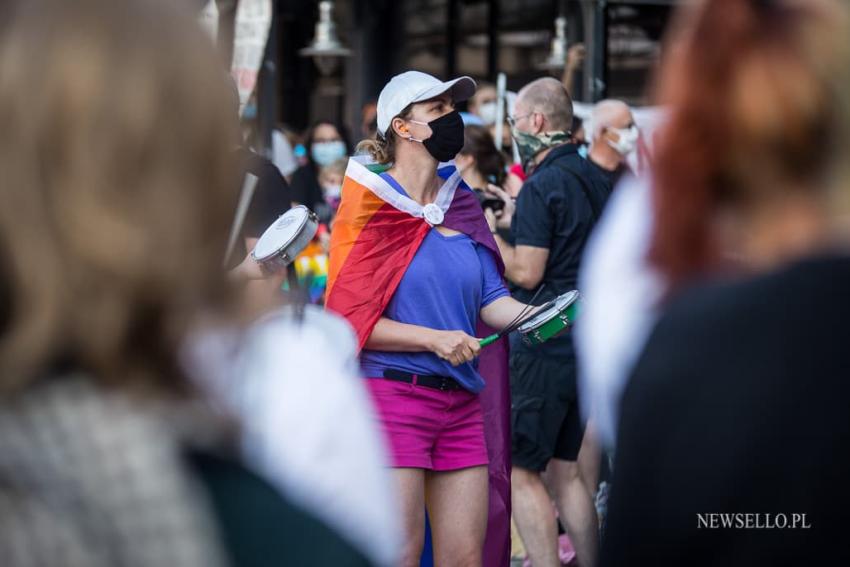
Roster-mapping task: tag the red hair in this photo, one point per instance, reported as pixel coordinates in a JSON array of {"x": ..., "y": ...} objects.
[{"x": 750, "y": 90}]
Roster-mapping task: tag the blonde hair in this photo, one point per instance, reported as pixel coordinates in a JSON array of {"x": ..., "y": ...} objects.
[
  {"x": 382, "y": 147},
  {"x": 118, "y": 188}
]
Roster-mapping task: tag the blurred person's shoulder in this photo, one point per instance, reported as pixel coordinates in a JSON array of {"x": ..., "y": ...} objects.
[
  {"x": 245, "y": 505},
  {"x": 786, "y": 312},
  {"x": 761, "y": 358},
  {"x": 771, "y": 295},
  {"x": 308, "y": 424},
  {"x": 105, "y": 456},
  {"x": 259, "y": 165},
  {"x": 739, "y": 401}
]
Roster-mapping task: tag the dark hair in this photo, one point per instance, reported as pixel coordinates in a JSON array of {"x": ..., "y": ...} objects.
[
  {"x": 478, "y": 143},
  {"x": 311, "y": 132}
]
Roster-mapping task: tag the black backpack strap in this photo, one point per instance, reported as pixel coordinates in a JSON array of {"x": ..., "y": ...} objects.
[{"x": 595, "y": 206}]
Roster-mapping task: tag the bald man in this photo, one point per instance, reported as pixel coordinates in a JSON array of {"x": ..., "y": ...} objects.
[
  {"x": 559, "y": 203},
  {"x": 614, "y": 136}
]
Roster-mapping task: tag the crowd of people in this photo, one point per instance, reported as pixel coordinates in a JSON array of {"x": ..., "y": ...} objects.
[{"x": 167, "y": 397}]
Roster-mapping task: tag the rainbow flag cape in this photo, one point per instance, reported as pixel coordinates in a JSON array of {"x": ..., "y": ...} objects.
[{"x": 376, "y": 234}]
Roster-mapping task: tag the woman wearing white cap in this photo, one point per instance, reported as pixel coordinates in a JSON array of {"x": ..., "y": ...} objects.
[{"x": 414, "y": 267}]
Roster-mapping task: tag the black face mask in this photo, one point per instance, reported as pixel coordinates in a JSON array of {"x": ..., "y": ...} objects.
[{"x": 446, "y": 136}]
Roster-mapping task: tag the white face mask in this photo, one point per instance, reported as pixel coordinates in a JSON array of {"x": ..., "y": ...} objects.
[
  {"x": 627, "y": 141},
  {"x": 487, "y": 113}
]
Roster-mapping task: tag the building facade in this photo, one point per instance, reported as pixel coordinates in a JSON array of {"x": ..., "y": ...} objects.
[{"x": 447, "y": 38}]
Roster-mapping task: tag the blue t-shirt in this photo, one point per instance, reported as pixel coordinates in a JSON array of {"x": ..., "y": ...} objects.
[{"x": 445, "y": 286}]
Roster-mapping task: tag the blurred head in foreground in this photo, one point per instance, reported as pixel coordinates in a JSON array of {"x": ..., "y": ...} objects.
[
  {"x": 116, "y": 157},
  {"x": 748, "y": 163}
]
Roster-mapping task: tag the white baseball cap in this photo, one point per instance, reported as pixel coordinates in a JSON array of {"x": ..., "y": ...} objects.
[{"x": 415, "y": 86}]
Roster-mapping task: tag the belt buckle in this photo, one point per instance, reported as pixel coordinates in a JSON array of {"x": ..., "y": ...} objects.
[{"x": 444, "y": 384}]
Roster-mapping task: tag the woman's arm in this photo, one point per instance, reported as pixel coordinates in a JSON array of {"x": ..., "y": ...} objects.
[
  {"x": 392, "y": 336},
  {"x": 500, "y": 313},
  {"x": 454, "y": 346}
]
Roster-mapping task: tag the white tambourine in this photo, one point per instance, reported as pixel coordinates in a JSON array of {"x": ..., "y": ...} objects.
[{"x": 286, "y": 238}]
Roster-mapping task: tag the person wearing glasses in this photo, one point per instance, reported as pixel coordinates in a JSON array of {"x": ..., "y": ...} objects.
[{"x": 549, "y": 225}]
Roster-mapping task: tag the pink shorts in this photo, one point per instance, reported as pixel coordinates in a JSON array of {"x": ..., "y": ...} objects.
[{"x": 426, "y": 428}]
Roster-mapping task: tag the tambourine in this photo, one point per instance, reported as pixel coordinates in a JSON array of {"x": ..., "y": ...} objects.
[
  {"x": 551, "y": 322},
  {"x": 286, "y": 238}
]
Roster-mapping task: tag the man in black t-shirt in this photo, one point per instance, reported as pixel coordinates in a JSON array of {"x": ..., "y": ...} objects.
[{"x": 556, "y": 209}]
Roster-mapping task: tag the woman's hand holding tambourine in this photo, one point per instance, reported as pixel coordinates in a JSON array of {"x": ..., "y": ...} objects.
[{"x": 456, "y": 347}]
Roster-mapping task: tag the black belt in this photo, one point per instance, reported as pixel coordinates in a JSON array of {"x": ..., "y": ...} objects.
[{"x": 443, "y": 383}]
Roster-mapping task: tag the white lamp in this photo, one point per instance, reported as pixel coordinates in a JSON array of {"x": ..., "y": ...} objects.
[
  {"x": 558, "y": 55},
  {"x": 325, "y": 49}
]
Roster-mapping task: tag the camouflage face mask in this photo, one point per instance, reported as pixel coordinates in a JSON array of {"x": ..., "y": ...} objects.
[{"x": 529, "y": 145}]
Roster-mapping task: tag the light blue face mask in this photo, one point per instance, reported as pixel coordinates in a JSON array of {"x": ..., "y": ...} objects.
[
  {"x": 325, "y": 153},
  {"x": 582, "y": 151}
]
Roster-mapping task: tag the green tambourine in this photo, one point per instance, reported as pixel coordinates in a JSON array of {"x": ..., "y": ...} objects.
[
  {"x": 547, "y": 324},
  {"x": 551, "y": 322}
]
